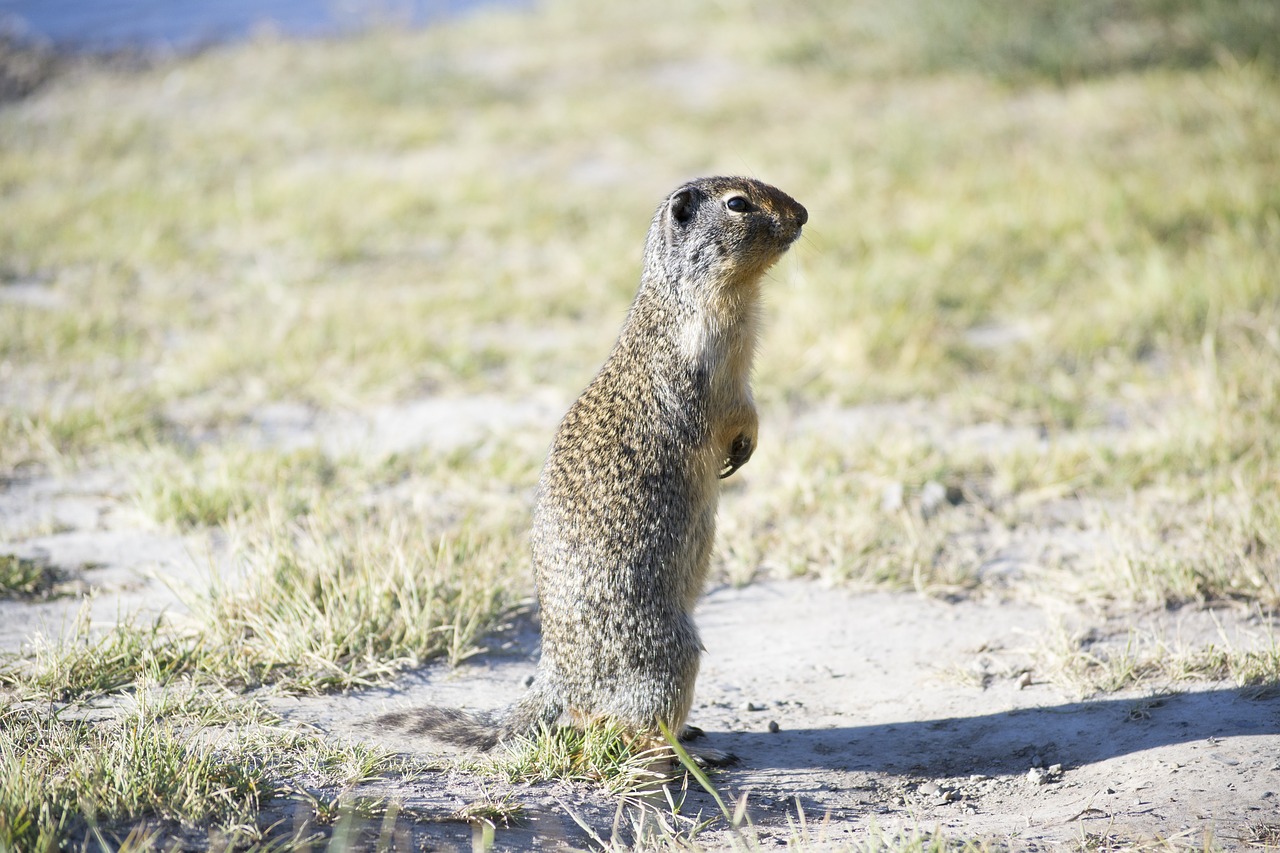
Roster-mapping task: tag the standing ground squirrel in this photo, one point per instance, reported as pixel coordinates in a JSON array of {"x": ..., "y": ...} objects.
[{"x": 626, "y": 506}]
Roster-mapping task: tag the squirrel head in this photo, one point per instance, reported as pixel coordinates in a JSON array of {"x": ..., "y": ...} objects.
[{"x": 716, "y": 236}]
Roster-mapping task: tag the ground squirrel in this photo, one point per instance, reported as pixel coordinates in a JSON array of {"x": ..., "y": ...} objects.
[{"x": 626, "y": 505}]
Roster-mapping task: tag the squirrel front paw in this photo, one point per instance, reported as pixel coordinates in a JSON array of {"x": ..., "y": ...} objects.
[{"x": 739, "y": 452}]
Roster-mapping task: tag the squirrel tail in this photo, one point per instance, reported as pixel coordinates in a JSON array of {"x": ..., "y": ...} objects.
[
  {"x": 482, "y": 731},
  {"x": 538, "y": 709},
  {"x": 478, "y": 731}
]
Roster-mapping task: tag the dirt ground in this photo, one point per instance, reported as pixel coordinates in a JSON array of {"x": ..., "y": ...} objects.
[
  {"x": 847, "y": 710},
  {"x": 874, "y": 729}
]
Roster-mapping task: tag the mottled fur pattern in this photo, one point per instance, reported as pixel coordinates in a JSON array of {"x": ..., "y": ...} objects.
[{"x": 625, "y": 513}]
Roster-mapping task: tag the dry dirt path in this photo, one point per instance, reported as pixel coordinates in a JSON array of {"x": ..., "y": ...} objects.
[{"x": 875, "y": 729}]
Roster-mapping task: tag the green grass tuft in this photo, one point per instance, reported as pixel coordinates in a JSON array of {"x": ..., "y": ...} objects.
[
  {"x": 86, "y": 664},
  {"x": 332, "y": 603},
  {"x": 172, "y": 760},
  {"x": 71, "y": 781},
  {"x": 1037, "y": 40},
  {"x": 25, "y": 577},
  {"x": 327, "y": 608},
  {"x": 603, "y": 754},
  {"x": 1089, "y": 668},
  {"x": 210, "y": 487}
]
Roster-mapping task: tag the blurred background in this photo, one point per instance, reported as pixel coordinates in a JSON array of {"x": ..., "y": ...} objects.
[
  {"x": 1041, "y": 264},
  {"x": 163, "y": 25}
]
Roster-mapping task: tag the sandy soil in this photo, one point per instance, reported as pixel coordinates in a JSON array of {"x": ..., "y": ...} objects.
[
  {"x": 849, "y": 710},
  {"x": 873, "y": 728}
]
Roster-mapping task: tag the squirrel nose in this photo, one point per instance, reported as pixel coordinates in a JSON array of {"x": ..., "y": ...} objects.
[{"x": 802, "y": 215}]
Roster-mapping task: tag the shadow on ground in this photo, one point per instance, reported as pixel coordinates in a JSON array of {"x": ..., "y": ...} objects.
[{"x": 1072, "y": 734}]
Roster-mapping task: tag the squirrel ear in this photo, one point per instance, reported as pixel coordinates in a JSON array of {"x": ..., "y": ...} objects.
[{"x": 684, "y": 203}]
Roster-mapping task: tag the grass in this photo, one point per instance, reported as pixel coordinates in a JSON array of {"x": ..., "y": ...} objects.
[
  {"x": 324, "y": 610},
  {"x": 85, "y": 666},
  {"x": 601, "y": 754},
  {"x": 168, "y": 760},
  {"x": 323, "y": 613},
  {"x": 1036, "y": 41},
  {"x": 63, "y": 780},
  {"x": 25, "y": 577},
  {"x": 1040, "y": 274},
  {"x": 654, "y": 787},
  {"x": 1087, "y": 666}
]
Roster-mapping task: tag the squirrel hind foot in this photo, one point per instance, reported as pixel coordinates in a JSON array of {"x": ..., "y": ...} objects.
[{"x": 703, "y": 756}]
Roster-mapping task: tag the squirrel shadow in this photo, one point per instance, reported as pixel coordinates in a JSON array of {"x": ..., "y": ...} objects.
[{"x": 1072, "y": 734}]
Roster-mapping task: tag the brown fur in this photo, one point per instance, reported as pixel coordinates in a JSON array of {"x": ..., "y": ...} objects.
[{"x": 625, "y": 514}]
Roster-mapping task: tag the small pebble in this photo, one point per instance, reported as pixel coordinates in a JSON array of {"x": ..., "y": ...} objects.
[
  {"x": 1043, "y": 776},
  {"x": 752, "y": 706},
  {"x": 1024, "y": 681},
  {"x": 931, "y": 498},
  {"x": 773, "y": 727},
  {"x": 891, "y": 498}
]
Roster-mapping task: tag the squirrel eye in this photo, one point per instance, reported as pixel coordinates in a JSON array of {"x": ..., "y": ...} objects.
[{"x": 738, "y": 204}]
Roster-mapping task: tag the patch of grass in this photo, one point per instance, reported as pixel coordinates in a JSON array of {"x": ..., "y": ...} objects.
[
  {"x": 1090, "y": 667},
  {"x": 68, "y": 781},
  {"x": 1066, "y": 42},
  {"x": 86, "y": 664},
  {"x": 164, "y": 760},
  {"x": 1038, "y": 40},
  {"x": 232, "y": 486},
  {"x": 1221, "y": 547},
  {"x": 1167, "y": 509},
  {"x": 332, "y": 603},
  {"x": 211, "y": 487},
  {"x": 603, "y": 754},
  {"x": 25, "y": 577},
  {"x": 1256, "y": 669},
  {"x": 493, "y": 811},
  {"x": 323, "y": 606},
  {"x": 79, "y": 430}
]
